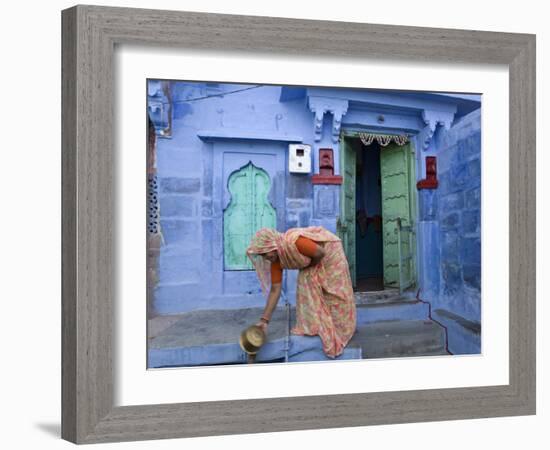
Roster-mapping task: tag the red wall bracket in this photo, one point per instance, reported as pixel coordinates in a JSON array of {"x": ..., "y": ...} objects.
[
  {"x": 430, "y": 182},
  {"x": 326, "y": 169}
]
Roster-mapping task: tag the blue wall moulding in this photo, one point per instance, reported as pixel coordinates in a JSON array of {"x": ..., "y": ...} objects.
[
  {"x": 211, "y": 132},
  {"x": 326, "y": 206}
]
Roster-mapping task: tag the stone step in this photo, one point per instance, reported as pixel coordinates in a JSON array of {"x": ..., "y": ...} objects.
[
  {"x": 403, "y": 309},
  {"x": 376, "y": 296},
  {"x": 211, "y": 337},
  {"x": 464, "y": 335},
  {"x": 400, "y": 338}
]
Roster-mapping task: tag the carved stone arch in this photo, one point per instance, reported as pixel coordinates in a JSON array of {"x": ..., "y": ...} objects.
[{"x": 248, "y": 210}]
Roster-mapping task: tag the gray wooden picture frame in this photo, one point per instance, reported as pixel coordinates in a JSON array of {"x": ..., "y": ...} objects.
[{"x": 89, "y": 37}]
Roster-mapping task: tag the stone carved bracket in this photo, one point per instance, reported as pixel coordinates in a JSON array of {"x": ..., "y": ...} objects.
[
  {"x": 337, "y": 123},
  {"x": 425, "y": 136},
  {"x": 321, "y": 105},
  {"x": 159, "y": 106},
  {"x": 432, "y": 119}
]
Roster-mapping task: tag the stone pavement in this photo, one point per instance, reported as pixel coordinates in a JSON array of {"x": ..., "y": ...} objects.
[{"x": 387, "y": 326}]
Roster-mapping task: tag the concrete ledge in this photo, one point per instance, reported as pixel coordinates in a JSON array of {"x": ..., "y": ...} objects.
[
  {"x": 211, "y": 337},
  {"x": 206, "y": 135},
  {"x": 301, "y": 348},
  {"x": 464, "y": 336},
  {"x": 318, "y": 355}
]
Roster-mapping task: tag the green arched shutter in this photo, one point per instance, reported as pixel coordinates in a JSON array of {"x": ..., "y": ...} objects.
[{"x": 248, "y": 211}]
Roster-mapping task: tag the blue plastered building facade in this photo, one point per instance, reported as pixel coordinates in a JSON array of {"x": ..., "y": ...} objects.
[{"x": 207, "y": 132}]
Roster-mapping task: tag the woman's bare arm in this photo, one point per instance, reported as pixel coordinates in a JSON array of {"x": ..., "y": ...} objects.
[
  {"x": 272, "y": 300},
  {"x": 313, "y": 250}
]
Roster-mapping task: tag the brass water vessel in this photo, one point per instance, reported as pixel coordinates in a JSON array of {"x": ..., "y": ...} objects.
[{"x": 252, "y": 339}]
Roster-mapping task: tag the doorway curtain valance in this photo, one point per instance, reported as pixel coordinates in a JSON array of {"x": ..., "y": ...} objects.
[{"x": 383, "y": 139}]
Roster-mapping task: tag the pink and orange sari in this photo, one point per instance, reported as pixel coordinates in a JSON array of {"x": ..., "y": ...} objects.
[{"x": 325, "y": 303}]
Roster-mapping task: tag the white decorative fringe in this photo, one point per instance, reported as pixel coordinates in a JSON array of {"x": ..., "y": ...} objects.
[{"x": 383, "y": 139}]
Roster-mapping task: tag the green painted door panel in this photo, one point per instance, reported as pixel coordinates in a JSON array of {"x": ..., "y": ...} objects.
[
  {"x": 396, "y": 177},
  {"x": 248, "y": 211},
  {"x": 346, "y": 222}
]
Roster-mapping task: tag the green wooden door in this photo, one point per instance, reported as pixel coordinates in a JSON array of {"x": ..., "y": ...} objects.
[
  {"x": 248, "y": 211},
  {"x": 346, "y": 222},
  {"x": 397, "y": 174}
]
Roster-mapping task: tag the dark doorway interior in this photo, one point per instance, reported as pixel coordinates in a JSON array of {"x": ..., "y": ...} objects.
[{"x": 369, "y": 251}]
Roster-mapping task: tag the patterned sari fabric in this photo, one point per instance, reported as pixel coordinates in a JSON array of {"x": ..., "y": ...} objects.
[{"x": 325, "y": 303}]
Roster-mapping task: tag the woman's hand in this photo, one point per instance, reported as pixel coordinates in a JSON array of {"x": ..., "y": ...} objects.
[
  {"x": 314, "y": 261},
  {"x": 263, "y": 326}
]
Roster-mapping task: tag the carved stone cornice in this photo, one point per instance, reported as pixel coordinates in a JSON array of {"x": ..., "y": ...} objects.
[
  {"x": 432, "y": 119},
  {"x": 321, "y": 105}
]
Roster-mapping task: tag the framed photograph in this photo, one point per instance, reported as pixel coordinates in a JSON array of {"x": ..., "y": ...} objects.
[{"x": 267, "y": 230}]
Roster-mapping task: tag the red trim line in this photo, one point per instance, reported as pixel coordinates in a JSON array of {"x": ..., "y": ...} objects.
[
  {"x": 326, "y": 179},
  {"x": 426, "y": 183}
]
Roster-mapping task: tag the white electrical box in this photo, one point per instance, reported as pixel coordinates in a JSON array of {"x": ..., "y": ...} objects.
[{"x": 299, "y": 158}]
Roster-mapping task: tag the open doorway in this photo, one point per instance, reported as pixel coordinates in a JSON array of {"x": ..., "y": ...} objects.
[
  {"x": 369, "y": 270},
  {"x": 377, "y": 211}
]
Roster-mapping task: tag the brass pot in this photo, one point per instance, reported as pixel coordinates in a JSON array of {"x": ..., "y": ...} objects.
[{"x": 252, "y": 339}]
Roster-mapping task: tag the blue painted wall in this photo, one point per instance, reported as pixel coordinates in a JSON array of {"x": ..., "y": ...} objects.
[
  {"x": 216, "y": 129},
  {"x": 452, "y": 218}
]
